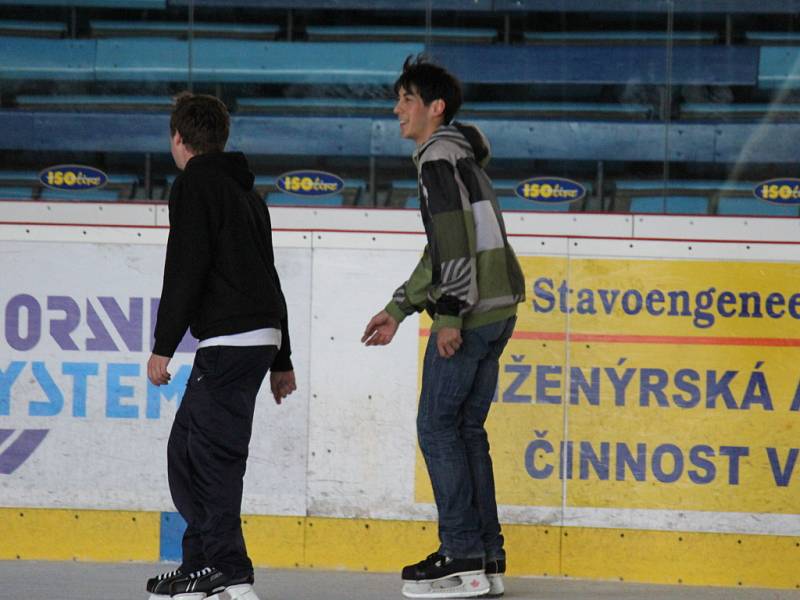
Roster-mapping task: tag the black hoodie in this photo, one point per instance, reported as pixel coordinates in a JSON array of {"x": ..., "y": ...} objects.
[{"x": 219, "y": 274}]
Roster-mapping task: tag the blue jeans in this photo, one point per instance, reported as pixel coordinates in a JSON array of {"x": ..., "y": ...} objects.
[{"x": 457, "y": 393}]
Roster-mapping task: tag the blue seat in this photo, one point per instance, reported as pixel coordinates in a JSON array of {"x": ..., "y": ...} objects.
[
  {"x": 779, "y": 67},
  {"x": 376, "y": 63},
  {"x": 281, "y": 199},
  {"x": 16, "y": 193},
  {"x": 241, "y": 61},
  {"x": 102, "y": 28},
  {"x": 484, "y": 6},
  {"x": 101, "y": 195},
  {"x": 138, "y": 4},
  {"x": 773, "y": 38},
  {"x": 95, "y": 102},
  {"x": 576, "y": 110},
  {"x": 322, "y": 106},
  {"x": 403, "y": 193},
  {"x": 622, "y": 64},
  {"x": 686, "y": 205},
  {"x": 676, "y": 185},
  {"x": 755, "y": 207},
  {"x": 740, "y": 112},
  {"x": 46, "y": 59},
  {"x": 683, "y": 196},
  {"x": 638, "y": 38},
  {"x": 520, "y": 204},
  {"x": 401, "y": 34},
  {"x": 33, "y": 28},
  {"x": 24, "y": 177}
]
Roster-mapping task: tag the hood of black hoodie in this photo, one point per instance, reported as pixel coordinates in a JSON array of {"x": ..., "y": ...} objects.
[{"x": 233, "y": 164}]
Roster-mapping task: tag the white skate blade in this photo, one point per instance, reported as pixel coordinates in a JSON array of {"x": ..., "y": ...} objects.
[
  {"x": 159, "y": 597},
  {"x": 244, "y": 591},
  {"x": 469, "y": 584},
  {"x": 496, "y": 587},
  {"x": 189, "y": 596}
]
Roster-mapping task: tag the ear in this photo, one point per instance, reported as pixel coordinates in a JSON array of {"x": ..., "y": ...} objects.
[{"x": 437, "y": 108}]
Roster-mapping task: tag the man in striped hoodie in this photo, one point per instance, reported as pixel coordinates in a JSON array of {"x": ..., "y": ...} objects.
[{"x": 470, "y": 283}]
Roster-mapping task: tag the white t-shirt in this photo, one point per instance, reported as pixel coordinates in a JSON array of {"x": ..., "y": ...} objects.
[{"x": 257, "y": 337}]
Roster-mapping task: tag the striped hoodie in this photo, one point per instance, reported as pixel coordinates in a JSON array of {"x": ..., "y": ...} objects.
[{"x": 468, "y": 275}]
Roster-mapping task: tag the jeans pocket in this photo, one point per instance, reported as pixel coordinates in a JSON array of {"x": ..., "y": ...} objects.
[{"x": 206, "y": 360}]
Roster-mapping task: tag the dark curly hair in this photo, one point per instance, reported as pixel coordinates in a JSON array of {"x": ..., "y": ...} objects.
[
  {"x": 431, "y": 82},
  {"x": 203, "y": 122}
]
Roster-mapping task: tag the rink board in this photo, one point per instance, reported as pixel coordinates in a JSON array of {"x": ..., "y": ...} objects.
[
  {"x": 656, "y": 474},
  {"x": 371, "y": 545}
]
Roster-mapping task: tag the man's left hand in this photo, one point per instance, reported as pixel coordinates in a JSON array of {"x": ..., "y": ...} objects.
[
  {"x": 282, "y": 383},
  {"x": 448, "y": 341}
]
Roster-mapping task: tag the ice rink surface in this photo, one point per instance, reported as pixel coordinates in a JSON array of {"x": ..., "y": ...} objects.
[{"x": 31, "y": 580}]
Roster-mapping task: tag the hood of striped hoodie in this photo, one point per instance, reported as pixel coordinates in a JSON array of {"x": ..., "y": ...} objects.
[{"x": 464, "y": 138}]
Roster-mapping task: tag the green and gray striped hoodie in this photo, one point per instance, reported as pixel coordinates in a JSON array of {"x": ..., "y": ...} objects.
[{"x": 468, "y": 275}]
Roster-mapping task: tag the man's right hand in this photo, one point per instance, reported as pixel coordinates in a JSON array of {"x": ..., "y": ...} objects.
[{"x": 380, "y": 329}]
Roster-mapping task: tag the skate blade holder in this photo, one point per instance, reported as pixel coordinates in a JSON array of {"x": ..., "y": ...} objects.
[
  {"x": 497, "y": 588},
  {"x": 462, "y": 585},
  {"x": 234, "y": 592}
]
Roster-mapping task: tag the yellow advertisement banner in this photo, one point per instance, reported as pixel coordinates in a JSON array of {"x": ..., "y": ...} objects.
[{"x": 650, "y": 384}]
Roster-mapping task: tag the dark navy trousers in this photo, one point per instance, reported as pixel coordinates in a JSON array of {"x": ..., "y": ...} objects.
[{"x": 207, "y": 454}]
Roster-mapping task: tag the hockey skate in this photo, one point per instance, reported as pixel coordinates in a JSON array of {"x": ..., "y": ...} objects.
[
  {"x": 494, "y": 573},
  {"x": 212, "y": 584},
  {"x": 158, "y": 586},
  {"x": 440, "y": 576}
]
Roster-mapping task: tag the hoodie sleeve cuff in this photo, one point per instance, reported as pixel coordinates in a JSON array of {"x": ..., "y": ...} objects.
[
  {"x": 281, "y": 363},
  {"x": 163, "y": 349},
  {"x": 395, "y": 312},
  {"x": 440, "y": 321}
]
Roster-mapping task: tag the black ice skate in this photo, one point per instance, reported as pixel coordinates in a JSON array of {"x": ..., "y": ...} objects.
[
  {"x": 212, "y": 584},
  {"x": 158, "y": 586},
  {"x": 441, "y": 576},
  {"x": 494, "y": 573}
]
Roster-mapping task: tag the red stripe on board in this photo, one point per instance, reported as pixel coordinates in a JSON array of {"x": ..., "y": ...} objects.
[{"x": 650, "y": 339}]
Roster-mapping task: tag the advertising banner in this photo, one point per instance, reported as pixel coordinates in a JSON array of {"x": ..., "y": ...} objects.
[
  {"x": 670, "y": 385},
  {"x": 80, "y": 425}
]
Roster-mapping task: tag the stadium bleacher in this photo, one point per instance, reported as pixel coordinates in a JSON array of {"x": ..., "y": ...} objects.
[
  {"x": 449, "y": 35},
  {"x": 635, "y": 38},
  {"x": 33, "y": 28},
  {"x": 740, "y": 112},
  {"x": 594, "y": 92},
  {"x": 101, "y": 29}
]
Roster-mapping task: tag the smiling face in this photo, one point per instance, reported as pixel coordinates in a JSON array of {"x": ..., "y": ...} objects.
[{"x": 417, "y": 121}]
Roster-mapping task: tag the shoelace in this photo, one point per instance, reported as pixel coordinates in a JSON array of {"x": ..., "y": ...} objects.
[
  {"x": 200, "y": 573},
  {"x": 168, "y": 575},
  {"x": 435, "y": 559}
]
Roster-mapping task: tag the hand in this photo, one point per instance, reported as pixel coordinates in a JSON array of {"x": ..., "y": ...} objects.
[
  {"x": 282, "y": 384},
  {"x": 157, "y": 369},
  {"x": 380, "y": 329},
  {"x": 448, "y": 341}
]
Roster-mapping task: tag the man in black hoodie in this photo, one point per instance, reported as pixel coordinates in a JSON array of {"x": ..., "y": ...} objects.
[{"x": 220, "y": 282}]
